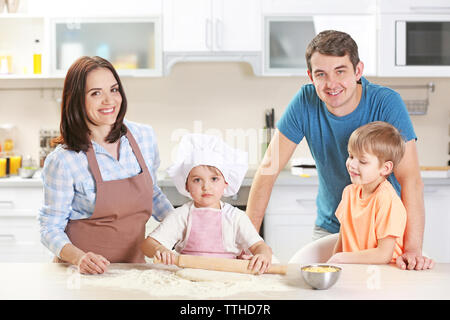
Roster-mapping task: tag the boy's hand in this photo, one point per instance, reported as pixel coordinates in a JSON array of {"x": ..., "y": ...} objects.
[
  {"x": 260, "y": 263},
  {"x": 165, "y": 256}
]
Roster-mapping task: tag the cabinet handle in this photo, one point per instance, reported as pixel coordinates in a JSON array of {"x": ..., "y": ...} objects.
[
  {"x": 7, "y": 237},
  {"x": 6, "y": 204},
  {"x": 219, "y": 34},
  {"x": 306, "y": 202},
  {"x": 208, "y": 33}
]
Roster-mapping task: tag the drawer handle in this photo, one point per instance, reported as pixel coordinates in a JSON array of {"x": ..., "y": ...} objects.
[
  {"x": 6, "y": 204},
  {"x": 7, "y": 237},
  {"x": 305, "y": 201}
]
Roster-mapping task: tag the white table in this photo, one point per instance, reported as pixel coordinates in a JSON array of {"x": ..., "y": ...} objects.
[{"x": 53, "y": 281}]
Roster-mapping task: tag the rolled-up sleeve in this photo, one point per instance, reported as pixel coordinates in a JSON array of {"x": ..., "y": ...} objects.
[{"x": 58, "y": 197}]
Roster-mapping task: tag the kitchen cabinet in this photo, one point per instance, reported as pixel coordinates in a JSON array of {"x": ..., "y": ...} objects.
[
  {"x": 287, "y": 37},
  {"x": 212, "y": 25},
  {"x": 110, "y": 38},
  {"x": 289, "y": 218},
  {"x": 19, "y": 227},
  {"x": 130, "y": 35},
  {"x": 436, "y": 242}
]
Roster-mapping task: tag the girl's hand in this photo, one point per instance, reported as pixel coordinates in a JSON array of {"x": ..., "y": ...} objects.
[
  {"x": 91, "y": 263},
  {"x": 165, "y": 256},
  {"x": 260, "y": 263}
]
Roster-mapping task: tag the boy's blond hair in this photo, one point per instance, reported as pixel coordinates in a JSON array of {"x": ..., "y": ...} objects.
[{"x": 380, "y": 139}]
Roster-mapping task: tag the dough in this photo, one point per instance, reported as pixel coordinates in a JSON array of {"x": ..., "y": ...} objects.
[{"x": 210, "y": 275}]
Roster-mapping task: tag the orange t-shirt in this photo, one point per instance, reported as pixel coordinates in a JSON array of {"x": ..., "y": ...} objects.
[{"x": 365, "y": 221}]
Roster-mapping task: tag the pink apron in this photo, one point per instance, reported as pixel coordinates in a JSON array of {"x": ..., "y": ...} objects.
[{"x": 205, "y": 236}]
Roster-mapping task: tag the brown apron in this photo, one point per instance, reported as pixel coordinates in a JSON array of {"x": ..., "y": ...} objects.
[{"x": 116, "y": 228}]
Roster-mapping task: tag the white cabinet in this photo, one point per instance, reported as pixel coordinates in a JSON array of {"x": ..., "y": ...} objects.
[
  {"x": 212, "y": 25},
  {"x": 19, "y": 227},
  {"x": 289, "y": 219},
  {"x": 128, "y": 33},
  {"x": 436, "y": 242},
  {"x": 289, "y": 26},
  {"x": 286, "y": 40},
  {"x": 132, "y": 45}
]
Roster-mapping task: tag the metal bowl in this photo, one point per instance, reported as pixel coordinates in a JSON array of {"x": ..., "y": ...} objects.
[
  {"x": 321, "y": 278},
  {"x": 27, "y": 172}
]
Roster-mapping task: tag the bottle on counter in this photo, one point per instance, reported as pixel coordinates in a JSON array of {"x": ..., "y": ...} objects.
[{"x": 37, "y": 57}]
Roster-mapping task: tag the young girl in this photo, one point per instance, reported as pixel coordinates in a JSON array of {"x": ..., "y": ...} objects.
[
  {"x": 371, "y": 214},
  {"x": 206, "y": 170}
]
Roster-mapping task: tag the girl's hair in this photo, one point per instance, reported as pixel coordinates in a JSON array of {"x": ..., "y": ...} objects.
[
  {"x": 74, "y": 119},
  {"x": 333, "y": 43},
  {"x": 380, "y": 139}
]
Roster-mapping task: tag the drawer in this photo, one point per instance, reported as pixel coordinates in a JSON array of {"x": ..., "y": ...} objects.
[
  {"x": 292, "y": 199},
  {"x": 21, "y": 199},
  {"x": 15, "y": 230}
]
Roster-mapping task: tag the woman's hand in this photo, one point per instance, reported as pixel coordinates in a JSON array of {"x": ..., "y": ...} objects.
[
  {"x": 91, "y": 263},
  {"x": 165, "y": 256}
]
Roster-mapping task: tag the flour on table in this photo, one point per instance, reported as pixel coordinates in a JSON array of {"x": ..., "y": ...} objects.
[
  {"x": 160, "y": 283},
  {"x": 210, "y": 275}
]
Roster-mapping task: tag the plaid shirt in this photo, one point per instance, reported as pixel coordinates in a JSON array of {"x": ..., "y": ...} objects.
[{"x": 69, "y": 187}]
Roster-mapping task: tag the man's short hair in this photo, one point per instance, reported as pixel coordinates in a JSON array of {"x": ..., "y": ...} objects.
[
  {"x": 333, "y": 43},
  {"x": 380, "y": 139}
]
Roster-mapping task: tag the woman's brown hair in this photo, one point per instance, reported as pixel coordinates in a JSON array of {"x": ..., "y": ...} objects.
[{"x": 74, "y": 129}]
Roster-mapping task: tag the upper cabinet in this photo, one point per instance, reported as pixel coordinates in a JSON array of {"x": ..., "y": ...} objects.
[
  {"x": 212, "y": 25},
  {"x": 109, "y": 38},
  {"x": 45, "y": 37},
  {"x": 146, "y": 38},
  {"x": 289, "y": 26},
  {"x": 212, "y": 30}
]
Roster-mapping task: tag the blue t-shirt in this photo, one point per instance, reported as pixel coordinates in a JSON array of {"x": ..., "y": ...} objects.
[{"x": 327, "y": 136}]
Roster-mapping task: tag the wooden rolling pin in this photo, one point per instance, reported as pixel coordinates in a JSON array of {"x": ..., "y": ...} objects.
[{"x": 220, "y": 264}]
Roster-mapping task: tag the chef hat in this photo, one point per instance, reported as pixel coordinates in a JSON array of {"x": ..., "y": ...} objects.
[{"x": 201, "y": 149}]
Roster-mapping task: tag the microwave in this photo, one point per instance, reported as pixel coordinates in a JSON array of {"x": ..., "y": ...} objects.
[{"x": 414, "y": 45}]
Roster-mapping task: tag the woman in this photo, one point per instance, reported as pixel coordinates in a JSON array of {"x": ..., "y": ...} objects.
[{"x": 100, "y": 182}]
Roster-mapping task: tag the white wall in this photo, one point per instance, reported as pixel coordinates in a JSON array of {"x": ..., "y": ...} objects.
[{"x": 210, "y": 96}]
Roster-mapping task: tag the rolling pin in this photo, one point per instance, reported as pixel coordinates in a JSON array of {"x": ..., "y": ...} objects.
[{"x": 220, "y": 264}]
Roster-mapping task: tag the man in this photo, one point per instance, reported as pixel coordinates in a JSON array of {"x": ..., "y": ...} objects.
[{"x": 326, "y": 112}]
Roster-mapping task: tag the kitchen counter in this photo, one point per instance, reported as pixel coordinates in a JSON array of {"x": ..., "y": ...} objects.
[
  {"x": 58, "y": 281},
  {"x": 285, "y": 178}
]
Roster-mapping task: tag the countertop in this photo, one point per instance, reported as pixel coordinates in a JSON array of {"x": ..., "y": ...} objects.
[
  {"x": 360, "y": 282},
  {"x": 285, "y": 178}
]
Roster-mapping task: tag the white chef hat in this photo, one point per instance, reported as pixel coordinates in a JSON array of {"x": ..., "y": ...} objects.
[{"x": 201, "y": 149}]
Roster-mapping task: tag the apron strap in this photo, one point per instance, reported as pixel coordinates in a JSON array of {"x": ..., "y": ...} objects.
[
  {"x": 93, "y": 164},
  {"x": 136, "y": 150}
]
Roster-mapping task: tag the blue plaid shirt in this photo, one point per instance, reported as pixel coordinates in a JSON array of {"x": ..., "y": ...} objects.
[{"x": 69, "y": 187}]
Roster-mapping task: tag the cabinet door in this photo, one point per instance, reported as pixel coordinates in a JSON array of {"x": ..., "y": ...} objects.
[
  {"x": 187, "y": 25},
  {"x": 286, "y": 40},
  {"x": 436, "y": 240},
  {"x": 133, "y": 46},
  {"x": 362, "y": 28},
  {"x": 287, "y": 233},
  {"x": 237, "y": 25}
]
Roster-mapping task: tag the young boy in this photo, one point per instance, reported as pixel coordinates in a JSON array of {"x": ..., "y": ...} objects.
[
  {"x": 371, "y": 214},
  {"x": 206, "y": 170}
]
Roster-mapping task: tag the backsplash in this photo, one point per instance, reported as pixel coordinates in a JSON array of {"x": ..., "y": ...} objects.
[{"x": 223, "y": 98}]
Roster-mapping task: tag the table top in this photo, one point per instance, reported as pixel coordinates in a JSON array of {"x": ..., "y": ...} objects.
[{"x": 58, "y": 281}]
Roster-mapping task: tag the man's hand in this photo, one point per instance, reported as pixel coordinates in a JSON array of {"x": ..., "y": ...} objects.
[{"x": 414, "y": 261}]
